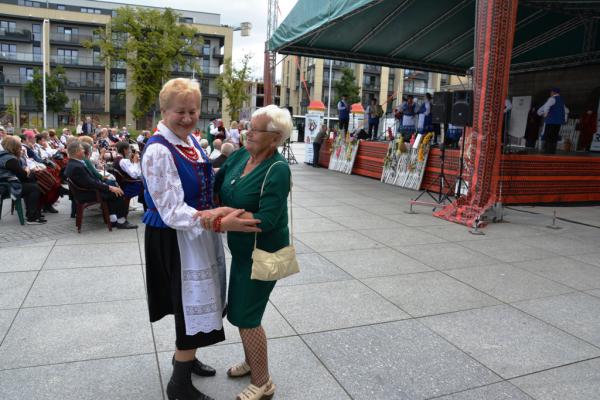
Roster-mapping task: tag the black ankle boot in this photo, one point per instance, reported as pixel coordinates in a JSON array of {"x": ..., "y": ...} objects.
[
  {"x": 180, "y": 386},
  {"x": 200, "y": 368}
]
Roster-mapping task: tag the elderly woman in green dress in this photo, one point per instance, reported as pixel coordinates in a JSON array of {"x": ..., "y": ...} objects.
[{"x": 238, "y": 184}]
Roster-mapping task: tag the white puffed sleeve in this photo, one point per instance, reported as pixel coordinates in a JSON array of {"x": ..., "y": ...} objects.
[{"x": 164, "y": 186}]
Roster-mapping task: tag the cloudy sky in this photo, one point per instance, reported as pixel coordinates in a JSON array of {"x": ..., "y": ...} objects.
[{"x": 232, "y": 13}]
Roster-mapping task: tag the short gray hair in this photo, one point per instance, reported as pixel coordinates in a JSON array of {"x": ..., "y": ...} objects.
[
  {"x": 203, "y": 143},
  {"x": 87, "y": 149},
  {"x": 280, "y": 120},
  {"x": 73, "y": 147},
  {"x": 227, "y": 149}
]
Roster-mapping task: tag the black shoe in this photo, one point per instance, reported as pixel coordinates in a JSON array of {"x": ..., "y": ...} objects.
[
  {"x": 35, "y": 221},
  {"x": 180, "y": 386},
  {"x": 73, "y": 215},
  {"x": 199, "y": 368},
  {"x": 51, "y": 209},
  {"x": 124, "y": 225}
]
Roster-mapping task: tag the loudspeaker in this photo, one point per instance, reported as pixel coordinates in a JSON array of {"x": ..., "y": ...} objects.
[
  {"x": 440, "y": 109},
  {"x": 462, "y": 108}
]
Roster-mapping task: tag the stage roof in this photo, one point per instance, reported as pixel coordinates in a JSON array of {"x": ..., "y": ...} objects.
[{"x": 436, "y": 35}]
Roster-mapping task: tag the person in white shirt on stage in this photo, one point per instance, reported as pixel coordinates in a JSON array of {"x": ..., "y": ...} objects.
[{"x": 555, "y": 114}]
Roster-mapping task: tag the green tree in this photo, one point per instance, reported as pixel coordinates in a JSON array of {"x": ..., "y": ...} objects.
[
  {"x": 10, "y": 112},
  {"x": 347, "y": 86},
  {"x": 152, "y": 43},
  {"x": 233, "y": 83},
  {"x": 56, "y": 99},
  {"x": 76, "y": 110}
]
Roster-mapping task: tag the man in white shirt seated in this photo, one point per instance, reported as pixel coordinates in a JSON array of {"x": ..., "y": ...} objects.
[{"x": 217, "y": 143}]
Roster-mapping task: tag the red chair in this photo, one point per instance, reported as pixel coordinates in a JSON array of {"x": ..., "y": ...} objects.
[{"x": 76, "y": 192}]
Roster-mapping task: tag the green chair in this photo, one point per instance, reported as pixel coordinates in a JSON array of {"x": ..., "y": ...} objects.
[{"x": 5, "y": 194}]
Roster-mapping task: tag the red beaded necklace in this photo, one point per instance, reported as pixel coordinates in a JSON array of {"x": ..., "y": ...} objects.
[{"x": 189, "y": 152}]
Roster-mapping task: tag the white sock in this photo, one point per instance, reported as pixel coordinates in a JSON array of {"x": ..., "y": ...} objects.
[
  {"x": 113, "y": 218},
  {"x": 121, "y": 220}
]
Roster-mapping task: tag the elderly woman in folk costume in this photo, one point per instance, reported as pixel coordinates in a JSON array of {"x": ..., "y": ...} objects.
[{"x": 185, "y": 263}]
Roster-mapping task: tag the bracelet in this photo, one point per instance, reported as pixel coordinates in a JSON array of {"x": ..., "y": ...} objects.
[{"x": 217, "y": 224}]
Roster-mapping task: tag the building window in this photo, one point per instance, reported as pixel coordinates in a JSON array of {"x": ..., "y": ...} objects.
[
  {"x": 118, "y": 81},
  {"x": 206, "y": 65},
  {"x": 8, "y": 26},
  {"x": 91, "y": 100},
  {"x": 186, "y": 20},
  {"x": 91, "y": 10},
  {"x": 67, "y": 56},
  {"x": 25, "y": 74},
  {"x": 90, "y": 79},
  {"x": 36, "y": 29},
  {"x": 8, "y": 50},
  {"x": 28, "y": 3},
  {"x": 96, "y": 58},
  {"x": 206, "y": 50},
  {"x": 68, "y": 32},
  {"x": 61, "y": 7},
  {"x": 37, "y": 54}
]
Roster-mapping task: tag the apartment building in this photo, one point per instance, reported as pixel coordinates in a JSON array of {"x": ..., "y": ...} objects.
[
  {"x": 256, "y": 98},
  {"x": 388, "y": 85},
  {"x": 101, "y": 89}
]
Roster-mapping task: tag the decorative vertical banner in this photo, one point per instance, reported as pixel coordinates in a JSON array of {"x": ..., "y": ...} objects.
[
  {"x": 494, "y": 37},
  {"x": 404, "y": 165},
  {"x": 343, "y": 153},
  {"x": 312, "y": 123}
]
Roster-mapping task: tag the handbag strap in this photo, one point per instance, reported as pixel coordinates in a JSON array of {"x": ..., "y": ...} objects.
[{"x": 291, "y": 204}]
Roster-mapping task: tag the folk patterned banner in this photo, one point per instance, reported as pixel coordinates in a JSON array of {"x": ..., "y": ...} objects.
[
  {"x": 343, "y": 154},
  {"x": 494, "y": 36}
]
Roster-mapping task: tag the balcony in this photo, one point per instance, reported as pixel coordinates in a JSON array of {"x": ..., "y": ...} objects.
[
  {"x": 70, "y": 39},
  {"x": 337, "y": 64},
  {"x": 216, "y": 53},
  {"x": 77, "y": 61},
  {"x": 118, "y": 85},
  {"x": 90, "y": 84},
  {"x": 119, "y": 64},
  {"x": 372, "y": 88},
  {"x": 373, "y": 68},
  {"x": 18, "y": 35},
  {"x": 92, "y": 106},
  {"x": 15, "y": 79},
  {"x": 21, "y": 57}
]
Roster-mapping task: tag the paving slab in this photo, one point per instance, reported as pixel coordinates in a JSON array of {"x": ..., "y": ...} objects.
[
  {"x": 14, "y": 287},
  {"x": 508, "y": 341},
  {"x": 23, "y": 259},
  {"x": 320, "y": 224},
  {"x": 369, "y": 263},
  {"x": 508, "y": 283},
  {"x": 365, "y": 220},
  {"x": 496, "y": 391},
  {"x": 100, "y": 236},
  {"x": 93, "y": 255},
  {"x": 595, "y": 292},
  {"x": 398, "y": 360},
  {"x": 300, "y": 247},
  {"x": 565, "y": 270},
  {"x": 444, "y": 256},
  {"x": 509, "y": 250},
  {"x": 590, "y": 258},
  {"x": 420, "y": 219},
  {"x": 429, "y": 293},
  {"x": 122, "y": 378},
  {"x": 576, "y": 313},
  {"x": 86, "y": 285},
  {"x": 76, "y": 332},
  {"x": 296, "y": 372},
  {"x": 274, "y": 324},
  {"x": 335, "y": 241},
  {"x": 580, "y": 381},
  {"x": 332, "y": 305},
  {"x": 401, "y": 237},
  {"x": 6, "y": 318},
  {"x": 314, "y": 268},
  {"x": 337, "y": 210},
  {"x": 561, "y": 245}
]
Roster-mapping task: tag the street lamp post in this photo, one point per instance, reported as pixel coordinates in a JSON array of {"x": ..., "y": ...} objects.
[{"x": 44, "y": 68}]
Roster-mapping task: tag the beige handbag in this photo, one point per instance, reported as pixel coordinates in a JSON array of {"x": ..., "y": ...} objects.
[{"x": 280, "y": 264}]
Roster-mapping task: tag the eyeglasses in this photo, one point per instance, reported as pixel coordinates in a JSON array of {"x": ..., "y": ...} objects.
[{"x": 258, "y": 130}]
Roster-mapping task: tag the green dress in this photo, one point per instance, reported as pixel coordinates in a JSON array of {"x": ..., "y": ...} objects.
[{"x": 247, "y": 299}]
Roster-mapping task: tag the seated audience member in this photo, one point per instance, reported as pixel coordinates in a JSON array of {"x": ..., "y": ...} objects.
[
  {"x": 42, "y": 148},
  {"x": 205, "y": 146},
  {"x": 54, "y": 141},
  {"x": 226, "y": 150},
  {"x": 21, "y": 179},
  {"x": 216, "y": 152},
  {"x": 83, "y": 178},
  {"x": 2, "y": 135},
  {"x": 103, "y": 176},
  {"x": 64, "y": 138},
  {"x": 47, "y": 173},
  {"x": 128, "y": 165},
  {"x": 113, "y": 136}
]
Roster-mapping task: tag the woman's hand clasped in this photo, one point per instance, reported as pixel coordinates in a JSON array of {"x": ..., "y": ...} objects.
[{"x": 227, "y": 219}]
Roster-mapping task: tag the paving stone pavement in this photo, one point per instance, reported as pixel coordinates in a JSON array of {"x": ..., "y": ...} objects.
[{"x": 388, "y": 306}]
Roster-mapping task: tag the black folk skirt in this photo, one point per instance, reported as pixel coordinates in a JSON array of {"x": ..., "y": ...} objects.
[{"x": 163, "y": 280}]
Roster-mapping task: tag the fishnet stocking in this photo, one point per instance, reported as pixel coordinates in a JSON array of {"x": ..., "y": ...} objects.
[{"x": 255, "y": 348}]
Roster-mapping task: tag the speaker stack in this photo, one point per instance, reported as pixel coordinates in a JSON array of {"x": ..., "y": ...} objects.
[
  {"x": 462, "y": 108},
  {"x": 441, "y": 107}
]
